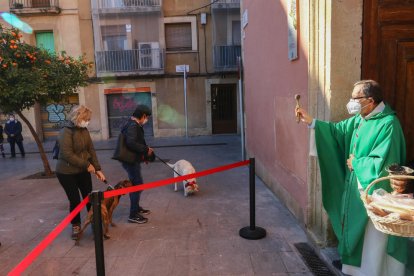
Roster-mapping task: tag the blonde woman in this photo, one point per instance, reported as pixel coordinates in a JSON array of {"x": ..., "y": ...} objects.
[{"x": 77, "y": 160}]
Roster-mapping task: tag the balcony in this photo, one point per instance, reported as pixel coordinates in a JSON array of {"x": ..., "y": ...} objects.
[
  {"x": 149, "y": 61},
  {"x": 32, "y": 7},
  {"x": 126, "y": 6},
  {"x": 225, "y": 57},
  {"x": 225, "y": 4}
]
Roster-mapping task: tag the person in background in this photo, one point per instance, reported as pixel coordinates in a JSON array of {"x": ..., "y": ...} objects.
[
  {"x": 13, "y": 130},
  {"x": 76, "y": 161},
  {"x": 135, "y": 141},
  {"x": 1, "y": 142},
  {"x": 352, "y": 153}
]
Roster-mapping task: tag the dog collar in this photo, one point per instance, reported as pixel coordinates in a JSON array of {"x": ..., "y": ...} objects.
[{"x": 192, "y": 183}]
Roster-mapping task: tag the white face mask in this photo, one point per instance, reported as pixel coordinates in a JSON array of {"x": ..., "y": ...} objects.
[
  {"x": 11, "y": 119},
  {"x": 354, "y": 107},
  {"x": 145, "y": 121},
  {"x": 84, "y": 124}
]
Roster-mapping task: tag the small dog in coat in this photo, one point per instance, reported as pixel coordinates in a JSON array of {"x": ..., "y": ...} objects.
[
  {"x": 181, "y": 168},
  {"x": 108, "y": 206}
]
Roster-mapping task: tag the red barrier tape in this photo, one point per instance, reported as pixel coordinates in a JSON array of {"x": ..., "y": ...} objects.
[
  {"x": 46, "y": 241},
  {"x": 155, "y": 184},
  {"x": 52, "y": 235}
]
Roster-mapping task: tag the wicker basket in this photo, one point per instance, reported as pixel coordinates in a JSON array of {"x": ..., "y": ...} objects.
[{"x": 390, "y": 224}]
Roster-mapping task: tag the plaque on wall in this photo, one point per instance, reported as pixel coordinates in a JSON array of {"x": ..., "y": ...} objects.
[{"x": 292, "y": 30}]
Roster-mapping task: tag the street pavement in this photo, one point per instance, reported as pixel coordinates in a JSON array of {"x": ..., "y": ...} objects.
[{"x": 195, "y": 235}]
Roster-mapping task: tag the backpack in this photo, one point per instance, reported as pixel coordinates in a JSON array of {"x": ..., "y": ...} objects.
[{"x": 55, "y": 150}]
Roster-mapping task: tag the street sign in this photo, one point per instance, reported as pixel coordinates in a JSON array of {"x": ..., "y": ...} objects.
[{"x": 182, "y": 68}]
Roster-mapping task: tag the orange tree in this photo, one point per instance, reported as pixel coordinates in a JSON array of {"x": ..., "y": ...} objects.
[{"x": 30, "y": 75}]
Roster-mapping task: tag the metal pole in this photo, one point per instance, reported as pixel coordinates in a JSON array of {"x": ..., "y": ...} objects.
[
  {"x": 243, "y": 152},
  {"x": 96, "y": 197},
  {"x": 252, "y": 191},
  {"x": 252, "y": 232},
  {"x": 185, "y": 101}
]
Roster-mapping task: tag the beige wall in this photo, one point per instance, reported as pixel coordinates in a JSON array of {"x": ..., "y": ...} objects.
[{"x": 334, "y": 65}]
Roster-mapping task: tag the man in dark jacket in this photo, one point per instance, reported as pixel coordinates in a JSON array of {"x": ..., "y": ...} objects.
[
  {"x": 13, "y": 130},
  {"x": 1, "y": 141},
  {"x": 135, "y": 141}
]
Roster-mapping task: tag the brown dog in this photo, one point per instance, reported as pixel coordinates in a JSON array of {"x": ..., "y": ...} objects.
[{"x": 108, "y": 206}]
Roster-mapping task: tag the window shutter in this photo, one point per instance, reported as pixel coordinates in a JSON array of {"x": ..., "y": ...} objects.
[
  {"x": 45, "y": 40},
  {"x": 178, "y": 36}
]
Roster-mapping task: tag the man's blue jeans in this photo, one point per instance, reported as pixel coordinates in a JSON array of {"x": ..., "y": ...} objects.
[{"x": 134, "y": 175}]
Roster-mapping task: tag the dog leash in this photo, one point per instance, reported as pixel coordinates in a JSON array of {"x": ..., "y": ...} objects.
[
  {"x": 156, "y": 156},
  {"x": 168, "y": 165},
  {"x": 109, "y": 185}
]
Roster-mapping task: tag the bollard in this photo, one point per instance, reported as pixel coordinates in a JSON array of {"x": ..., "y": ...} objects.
[
  {"x": 96, "y": 198},
  {"x": 252, "y": 232}
]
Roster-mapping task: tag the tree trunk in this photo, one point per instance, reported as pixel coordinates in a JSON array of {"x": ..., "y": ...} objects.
[{"x": 46, "y": 165}]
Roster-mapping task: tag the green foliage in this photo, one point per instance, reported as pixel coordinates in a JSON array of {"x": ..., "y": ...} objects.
[{"x": 29, "y": 74}]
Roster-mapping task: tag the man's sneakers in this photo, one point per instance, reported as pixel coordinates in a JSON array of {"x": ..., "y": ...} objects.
[
  {"x": 143, "y": 211},
  {"x": 75, "y": 231},
  {"x": 138, "y": 219}
]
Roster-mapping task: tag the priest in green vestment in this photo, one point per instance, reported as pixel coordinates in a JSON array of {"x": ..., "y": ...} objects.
[{"x": 352, "y": 153}]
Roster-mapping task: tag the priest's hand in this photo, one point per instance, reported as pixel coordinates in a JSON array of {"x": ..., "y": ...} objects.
[
  {"x": 349, "y": 162},
  {"x": 303, "y": 115}
]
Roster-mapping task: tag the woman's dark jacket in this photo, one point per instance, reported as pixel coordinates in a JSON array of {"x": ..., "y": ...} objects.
[{"x": 76, "y": 150}]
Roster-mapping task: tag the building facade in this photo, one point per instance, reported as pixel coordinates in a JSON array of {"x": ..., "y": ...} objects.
[
  {"x": 318, "y": 49},
  {"x": 140, "y": 48}
]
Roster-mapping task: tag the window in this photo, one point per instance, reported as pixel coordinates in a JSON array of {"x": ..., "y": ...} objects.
[
  {"x": 236, "y": 32},
  {"x": 45, "y": 40},
  {"x": 114, "y": 37},
  {"x": 180, "y": 33}
]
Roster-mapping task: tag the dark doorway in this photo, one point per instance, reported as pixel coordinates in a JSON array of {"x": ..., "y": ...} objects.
[
  {"x": 388, "y": 57},
  {"x": 224, "y": 108}
]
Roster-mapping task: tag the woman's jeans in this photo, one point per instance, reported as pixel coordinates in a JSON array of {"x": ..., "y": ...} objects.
[{"x": 134, "y": 175}]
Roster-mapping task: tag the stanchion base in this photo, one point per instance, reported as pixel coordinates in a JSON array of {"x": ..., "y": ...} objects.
[{"x": 256, "y": 233}]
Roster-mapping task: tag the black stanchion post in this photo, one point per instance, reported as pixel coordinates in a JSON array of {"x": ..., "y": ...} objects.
[
  {"x": 96, "y": 197},
  {"x": 252, "y": 232}
]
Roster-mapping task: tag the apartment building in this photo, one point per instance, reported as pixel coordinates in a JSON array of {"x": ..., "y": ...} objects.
[{"x": 141, "y": 49}]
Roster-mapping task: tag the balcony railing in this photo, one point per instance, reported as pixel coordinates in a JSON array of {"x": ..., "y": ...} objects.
[
  {"x": 127, "y": 4},
  {"x": 225, "y": 4},
  {"x": 129, "y": 61},
  {"x": 225, "y": 57},
  {"x": 23, "y": 5}
]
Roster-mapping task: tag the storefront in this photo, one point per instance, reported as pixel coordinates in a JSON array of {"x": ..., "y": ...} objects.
[{"x": 121, "y": 103}]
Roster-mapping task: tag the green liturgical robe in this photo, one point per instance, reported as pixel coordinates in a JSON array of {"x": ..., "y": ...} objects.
[{"x": 376, "y": 143}]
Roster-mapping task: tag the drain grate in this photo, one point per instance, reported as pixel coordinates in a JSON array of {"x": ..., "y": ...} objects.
[{"x": 315, "y": 264}]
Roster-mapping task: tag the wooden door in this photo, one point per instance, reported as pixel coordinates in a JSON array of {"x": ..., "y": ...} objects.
[
  {"x": 224, "y": 108},
  {"x": 388, "y": 57}
]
